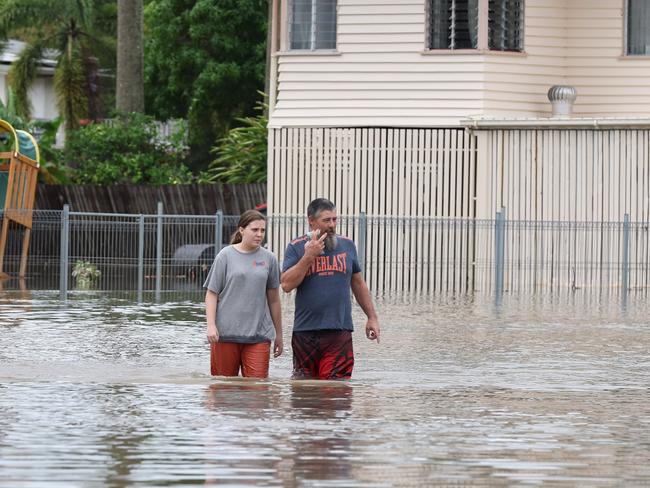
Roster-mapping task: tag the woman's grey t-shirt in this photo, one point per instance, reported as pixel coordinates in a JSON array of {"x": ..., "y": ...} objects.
[{"x": 241, "y": 280}]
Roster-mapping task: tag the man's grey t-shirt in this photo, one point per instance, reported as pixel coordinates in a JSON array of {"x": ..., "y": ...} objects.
[{"x": 241, "y": 280}]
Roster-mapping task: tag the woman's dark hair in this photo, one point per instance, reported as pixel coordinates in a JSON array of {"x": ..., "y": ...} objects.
[{"x": 244, "y": 219}]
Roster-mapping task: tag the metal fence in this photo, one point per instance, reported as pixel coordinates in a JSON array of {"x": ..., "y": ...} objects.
[{"x": 156, "y": 253}]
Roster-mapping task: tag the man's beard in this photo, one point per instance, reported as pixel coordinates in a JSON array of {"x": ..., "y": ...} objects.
[{"x": 330, "y": 242}]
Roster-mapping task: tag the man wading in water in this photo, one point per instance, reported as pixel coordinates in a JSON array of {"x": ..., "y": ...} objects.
[{"x": 323, "y": 267}]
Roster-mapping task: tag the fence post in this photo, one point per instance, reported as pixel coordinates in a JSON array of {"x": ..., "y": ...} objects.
[
  {"x": 363, "y": 224},
  {"x": 140, "y": 256},
  {"x": 625, "y": 275},
  {"x": 218, "y": 231},
  {"x": 65, "y": 245},
  {"x": 159, "y": 250},
  {"x": 499, "y": 245}
]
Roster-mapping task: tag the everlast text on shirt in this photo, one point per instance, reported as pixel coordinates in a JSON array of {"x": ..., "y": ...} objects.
[{"x": 328, "y": 265}]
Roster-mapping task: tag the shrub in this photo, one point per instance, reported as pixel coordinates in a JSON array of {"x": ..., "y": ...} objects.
[
  {"x": 52, "y": 169},
  {"x": 127, "y": 149},
  {"x": 241, "y": 155},
  {"x": 86, "y": 274}
]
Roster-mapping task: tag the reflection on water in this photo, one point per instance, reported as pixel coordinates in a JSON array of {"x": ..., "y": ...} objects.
[
  {"x": 272, "y": 432},
  {"x": 322, "y": 442},
  {"x": 100, "y": 391}
]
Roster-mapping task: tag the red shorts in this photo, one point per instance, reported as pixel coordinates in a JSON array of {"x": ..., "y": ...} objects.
[
  {"x": 226, "y": 358},
  {"x": 322, "y": 354}
]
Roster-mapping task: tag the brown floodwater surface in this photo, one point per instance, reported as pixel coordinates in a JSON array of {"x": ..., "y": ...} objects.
[{"x": 541, "y": 390}]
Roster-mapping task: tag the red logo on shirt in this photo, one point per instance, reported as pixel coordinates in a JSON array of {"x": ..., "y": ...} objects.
[
  {"x": 259, "y": 264},
  {"x": 328, "y": 265}
]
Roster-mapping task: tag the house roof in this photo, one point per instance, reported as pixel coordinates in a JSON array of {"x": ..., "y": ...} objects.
[{"x": 14, "y": 47}]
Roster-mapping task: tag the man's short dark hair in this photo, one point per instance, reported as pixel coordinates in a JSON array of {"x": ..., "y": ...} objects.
[{"x": 319, "y": 205}]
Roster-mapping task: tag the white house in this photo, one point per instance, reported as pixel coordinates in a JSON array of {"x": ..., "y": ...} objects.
[
  {"x": 41, "y": 93},
  {"x": 414, "y": 65},
  {"x": 439, "y": 108}
]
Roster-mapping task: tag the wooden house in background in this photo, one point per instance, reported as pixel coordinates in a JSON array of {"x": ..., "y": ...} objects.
[
  {"x": 440, "y": 108},
  {"x": 430, "y": 116}
]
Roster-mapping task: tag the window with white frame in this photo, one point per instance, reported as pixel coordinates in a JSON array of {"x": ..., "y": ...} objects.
[
  {"x": 638, "y": 27},
  {"x": 312, "y": 24},
  {"x": 457, "y": 24}
]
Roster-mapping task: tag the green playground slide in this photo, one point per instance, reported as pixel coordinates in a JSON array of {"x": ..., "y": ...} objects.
[
  {"x": 27, "y": 145},
  {"x": 4, "y": 180}
]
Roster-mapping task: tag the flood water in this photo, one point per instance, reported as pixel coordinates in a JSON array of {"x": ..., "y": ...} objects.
[{"x": 103, "y": 391}]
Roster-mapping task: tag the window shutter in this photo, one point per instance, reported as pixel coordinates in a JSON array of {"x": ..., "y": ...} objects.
[
  {"x": 505, "y": 25},
  {"x": 453, "y": 24}
]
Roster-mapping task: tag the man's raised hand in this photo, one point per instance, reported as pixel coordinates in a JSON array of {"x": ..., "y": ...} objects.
[{"x": 315, "y": 246}]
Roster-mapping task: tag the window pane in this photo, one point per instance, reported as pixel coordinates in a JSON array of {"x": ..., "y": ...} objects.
[
  {"x": 439, "y": 24},
  {"x": 638, "y": 27},
  {"x": 300, "y": 24},
  {"x": 453, "y": 24},
  {"x": 325, "y": 24},
  {"x": 506, "y": 23}
]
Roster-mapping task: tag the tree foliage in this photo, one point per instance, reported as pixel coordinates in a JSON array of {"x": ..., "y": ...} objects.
[
  {"x": 70, "y": 87},
  {"x": 204, "y": 60},
  {"x": 9, "y": 112},
  {"x": 65, "y": 29},
  {"x": 50, "y": 169}
]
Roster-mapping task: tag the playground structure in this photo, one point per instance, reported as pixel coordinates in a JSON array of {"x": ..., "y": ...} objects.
[{"x": 19, "y": 163}]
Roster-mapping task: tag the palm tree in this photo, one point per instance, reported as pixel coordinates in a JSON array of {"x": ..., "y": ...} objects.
[
  {"x": 63, "y": 27},
  {"x": 9, "y": 113}
]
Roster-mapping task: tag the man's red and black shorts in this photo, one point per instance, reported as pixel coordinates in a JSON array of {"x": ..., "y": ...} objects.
[{"x": 322, "y": 354}]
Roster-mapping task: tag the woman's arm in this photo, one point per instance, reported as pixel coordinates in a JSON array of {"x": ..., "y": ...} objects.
[
  {"x": 211, "y": 300},
  {"x": 273, "y": 298}
]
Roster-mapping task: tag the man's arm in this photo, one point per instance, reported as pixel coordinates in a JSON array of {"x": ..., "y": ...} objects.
[
  {"x": 292, "y": 277},
  {"x": 362, "y": 295}
]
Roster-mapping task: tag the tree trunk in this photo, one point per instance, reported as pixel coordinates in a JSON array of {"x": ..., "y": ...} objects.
[
  {"x": 130, "y": 56},
  {"x": 269, "y": 53}
]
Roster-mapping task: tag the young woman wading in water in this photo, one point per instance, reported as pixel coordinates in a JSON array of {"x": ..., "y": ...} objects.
[{"x": 242, "y": 303}]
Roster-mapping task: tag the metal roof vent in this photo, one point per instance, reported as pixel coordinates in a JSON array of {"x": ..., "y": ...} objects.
[{"x": 562, "y": 98}]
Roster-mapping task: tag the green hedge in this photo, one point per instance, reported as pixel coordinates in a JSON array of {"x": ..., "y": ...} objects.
[{"x": 126, "y": 150}]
